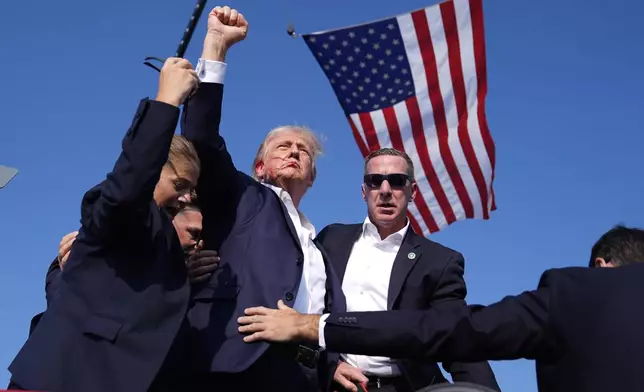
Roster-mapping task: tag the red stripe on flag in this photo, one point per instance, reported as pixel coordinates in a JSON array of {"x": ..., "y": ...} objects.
[
  {"x": 448, "y": 14},
  {"x": 369, "y": 131},
  {"x": 421, "y": 25},
  {"x": 476, "y": 13},
  {"x": 397, "y": 143},
  {"x": 418, "y": 132},
  {"x": 356, "y": 135},
  {"x": 414, "y": 224}
]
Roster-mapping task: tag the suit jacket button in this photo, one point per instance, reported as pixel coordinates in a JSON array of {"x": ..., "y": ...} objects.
[
  {"x": 300, "y": 260},
  {"x": 289, "y": 296}
]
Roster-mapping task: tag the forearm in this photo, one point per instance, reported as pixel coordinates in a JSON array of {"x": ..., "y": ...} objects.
[
  {"x": 128, "y": 190},
  {"x": 513, "y": 328}
]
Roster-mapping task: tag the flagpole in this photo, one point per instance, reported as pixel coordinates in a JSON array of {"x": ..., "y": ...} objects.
[{"x": 187, "y": 35}]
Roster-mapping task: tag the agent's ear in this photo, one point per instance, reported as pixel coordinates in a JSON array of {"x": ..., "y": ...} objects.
[{"x": 600, "y": 262}]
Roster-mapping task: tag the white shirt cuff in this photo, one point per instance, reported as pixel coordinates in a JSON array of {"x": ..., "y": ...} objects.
[
  {"x": 322, "y": 323},
  {"x": 211, "y": 71}
]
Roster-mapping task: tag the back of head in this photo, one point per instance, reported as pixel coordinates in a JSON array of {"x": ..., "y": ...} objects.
[{"x": 618, "y": 247}]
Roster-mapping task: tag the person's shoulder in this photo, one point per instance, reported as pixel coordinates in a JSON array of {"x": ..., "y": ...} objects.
[
  {"x": 436, "y": 249},
  {"x": 569, "y": 275},
  {"x": 338, "y": 230}
]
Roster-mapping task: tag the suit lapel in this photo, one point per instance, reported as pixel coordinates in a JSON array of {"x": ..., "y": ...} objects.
[
  {"x": 344, "y": 250},
  {"x": 289, "y": 222},
  {"x": 406, "y": 258}
]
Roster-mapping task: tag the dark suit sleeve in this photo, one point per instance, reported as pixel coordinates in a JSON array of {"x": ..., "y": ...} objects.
[
  {"x": 219, "y": 186},
  {"x": 51, "y": 285},
  {"x": 450, "y": 293},
  {"x": 450, "y": 290},
  {"x": 516, "y": 327},
  {"x": 124, "y": 197},
  {"x": 51, "y": 280}
]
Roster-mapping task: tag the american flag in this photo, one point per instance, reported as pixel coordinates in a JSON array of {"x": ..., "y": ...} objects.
[{"x": 417, "y": 82}]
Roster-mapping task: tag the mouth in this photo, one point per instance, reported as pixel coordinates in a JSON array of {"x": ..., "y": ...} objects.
[
  {"x": 292, "y": 164},
  {"x": 387, "y": 208}
]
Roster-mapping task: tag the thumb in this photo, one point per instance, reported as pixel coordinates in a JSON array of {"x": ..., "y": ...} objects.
[{"x": 281, "y": 305}]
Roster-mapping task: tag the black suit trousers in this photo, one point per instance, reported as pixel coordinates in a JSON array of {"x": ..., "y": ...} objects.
[{"x": 275, "y": 370}]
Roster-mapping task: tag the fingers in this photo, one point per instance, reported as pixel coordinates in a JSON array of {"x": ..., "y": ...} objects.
[
  {"x": 65, "y": 246},
  {"x": 256, "y": 337},
  {"x": 281, "y": 305},
  {"x": 200, "y": 278},
  {"x": 234, "y": 16},
  {"x": 202, "y": 273},
  {"x": 357, "y": 376},
  {"x": 241, "y": 21},
  {"x": 208, "y": 253},
  {"x": 258, "y": 310},
  {"x": 223, "y": 14},
  {"x": 68, "y": 237},
  {"x": 346, "y": 384},
  {"x": 251, "y": 323},
  {"x": 179, "y": 62}
]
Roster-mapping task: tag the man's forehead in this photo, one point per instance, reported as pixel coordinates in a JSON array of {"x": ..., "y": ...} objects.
[
  {"x": 385, "y": 164},
  {"x": 290, "y": 136},
  {"x": 189, "y": 214}
]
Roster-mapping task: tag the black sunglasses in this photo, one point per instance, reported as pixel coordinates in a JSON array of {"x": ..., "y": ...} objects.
[{"x": 395, "y": 180}]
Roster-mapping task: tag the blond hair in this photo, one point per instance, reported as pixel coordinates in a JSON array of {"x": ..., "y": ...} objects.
[
  {"x": 182, "y": 153},
  {"x": 313, "y": 142}
]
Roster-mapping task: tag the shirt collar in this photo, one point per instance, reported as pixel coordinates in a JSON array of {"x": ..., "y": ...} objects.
[
  {"x": 288, "y": 200},
  {"x": 370, "y": 230}
]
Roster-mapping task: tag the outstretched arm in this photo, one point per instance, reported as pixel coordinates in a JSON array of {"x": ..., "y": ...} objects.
[
  {"x": 125, "y": 195},
  {"x": 516, "y": 327},
  {"x": 217, "y": 186}
]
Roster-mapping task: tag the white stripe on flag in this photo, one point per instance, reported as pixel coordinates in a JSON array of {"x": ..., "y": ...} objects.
[
  {"x": 382, "y": 132},
  {"x": 355, "y": 117}
]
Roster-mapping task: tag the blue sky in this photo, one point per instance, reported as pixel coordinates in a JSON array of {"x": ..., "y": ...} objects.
[{"x": 564, "y": 106}]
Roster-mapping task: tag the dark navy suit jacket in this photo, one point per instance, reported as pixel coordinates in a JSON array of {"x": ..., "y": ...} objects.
[
  {"x": 51, "y": 283},
  {"x": 583, "y": 325},
  {"x": 432, "y": 278},
  {"x": 261, "y": 257},
  {"x": 124, "y": 292}
]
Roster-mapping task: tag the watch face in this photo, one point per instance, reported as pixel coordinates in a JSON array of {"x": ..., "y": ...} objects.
[{"x": 6, "y": 175}]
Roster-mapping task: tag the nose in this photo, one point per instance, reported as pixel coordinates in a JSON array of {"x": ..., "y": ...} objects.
[
  {"x": 294, "y": 151},
  {"x": 385, "y": 188}
]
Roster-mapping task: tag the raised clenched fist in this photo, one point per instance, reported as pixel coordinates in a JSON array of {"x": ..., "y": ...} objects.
[{"x": 227, "y": 23}]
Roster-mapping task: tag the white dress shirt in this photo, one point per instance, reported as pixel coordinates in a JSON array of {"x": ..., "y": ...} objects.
[
  {"x": 366, "y": 287},
  {"x": 310, "y": 295}
]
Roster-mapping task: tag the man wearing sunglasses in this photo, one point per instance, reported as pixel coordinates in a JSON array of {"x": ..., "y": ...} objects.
[{"x": 384, "y": 265}]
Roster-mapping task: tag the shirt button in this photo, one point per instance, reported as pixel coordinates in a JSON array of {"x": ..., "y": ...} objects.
[{"x": 289, "y": 296}]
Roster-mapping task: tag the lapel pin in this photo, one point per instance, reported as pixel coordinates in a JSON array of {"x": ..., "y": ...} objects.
[{"x": 411, "y": 255}]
